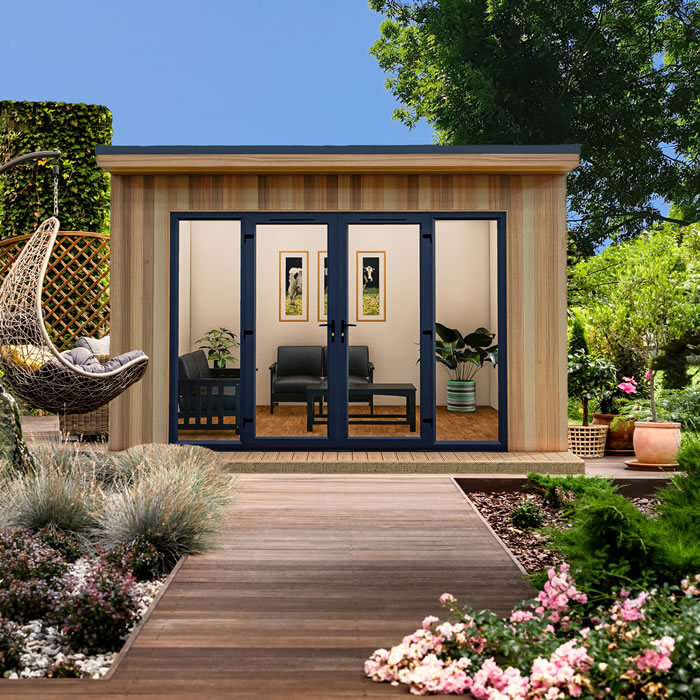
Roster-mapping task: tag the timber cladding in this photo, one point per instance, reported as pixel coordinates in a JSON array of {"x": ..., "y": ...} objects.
[{"x": 536, "y": 279}]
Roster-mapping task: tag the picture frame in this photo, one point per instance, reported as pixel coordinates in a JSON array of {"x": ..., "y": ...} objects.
[
  {"x": 322, "y": 285},
  {"x": 293, "y": 287},
  {"x": 370, "y": 277}
]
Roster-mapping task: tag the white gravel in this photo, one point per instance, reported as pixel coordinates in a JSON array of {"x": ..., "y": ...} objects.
[{"x": 45, "y": 648}]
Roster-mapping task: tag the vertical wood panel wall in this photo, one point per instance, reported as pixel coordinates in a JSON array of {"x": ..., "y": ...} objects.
[{"x": 536, "y": 256}]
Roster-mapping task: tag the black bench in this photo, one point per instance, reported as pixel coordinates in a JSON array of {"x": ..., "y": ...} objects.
[{"x": 206, "y": 396}]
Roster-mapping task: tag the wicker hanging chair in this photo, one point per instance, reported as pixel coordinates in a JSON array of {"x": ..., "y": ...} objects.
[{"x": 65, "y": 383}]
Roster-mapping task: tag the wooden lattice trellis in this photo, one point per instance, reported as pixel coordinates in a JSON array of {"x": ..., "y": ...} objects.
[{"x": 76, "y": 287}]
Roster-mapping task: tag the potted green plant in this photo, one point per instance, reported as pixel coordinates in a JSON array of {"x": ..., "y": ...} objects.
[
  {"x": 463, "y": 356},
  {"x": 589, "y": 378},
  {"x": 219, "y": 343},
  {"x": 620, "y": 435}
]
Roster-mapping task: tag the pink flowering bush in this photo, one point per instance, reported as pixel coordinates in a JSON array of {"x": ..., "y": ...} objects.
[{"x": 555, "y": 646}]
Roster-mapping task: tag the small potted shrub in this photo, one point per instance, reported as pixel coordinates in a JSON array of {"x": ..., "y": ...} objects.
[
  {"x": 589, "y": 378},
  {"x": 463, "y": 356},
  {"x": 219, "y": 344},
  {"x": 620, "y": 430}
]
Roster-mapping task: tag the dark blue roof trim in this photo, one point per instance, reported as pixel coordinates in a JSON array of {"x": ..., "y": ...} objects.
[{"x": 367, "y": 150}]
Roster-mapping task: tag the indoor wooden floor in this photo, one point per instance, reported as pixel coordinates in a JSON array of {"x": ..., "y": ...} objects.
[
  {"x": 312, "y": 574},
  {"x": 290, "y": 421}
]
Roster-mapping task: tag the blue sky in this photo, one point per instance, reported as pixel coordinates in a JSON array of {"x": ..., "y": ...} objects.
[{"x": 208, "y": 71}]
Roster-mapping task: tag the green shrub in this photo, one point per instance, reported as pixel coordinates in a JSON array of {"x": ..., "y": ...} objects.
[
  {"x": 675, "y": 405},
  {"x": 528, "y": 514},
  {"x": 140, "y": 557},
  {"x": 558, "y": 491},
  {"x": 173, "y": 497},
  {"x": 98, "y": 615},
  {"x": 609, "y": 542},
  {"x": 11, "y": 646}
]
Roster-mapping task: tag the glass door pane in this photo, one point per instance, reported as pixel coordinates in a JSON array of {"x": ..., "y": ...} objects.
[
  {"x": 209, "y": 330},
  {"x": 383, "y": 345},
  {"x": 290, "y": 336},
  {"x": 466, "y": 299}
]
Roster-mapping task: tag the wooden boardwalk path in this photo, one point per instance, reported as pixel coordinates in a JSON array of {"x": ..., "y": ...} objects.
[{"x": 313, "y": 573}]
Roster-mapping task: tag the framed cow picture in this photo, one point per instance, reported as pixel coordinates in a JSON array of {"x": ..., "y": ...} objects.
[
  {"x": 371, "y": 285},
  {"x": 293, "y": 285},
  {"x": 322, "y": 285}
]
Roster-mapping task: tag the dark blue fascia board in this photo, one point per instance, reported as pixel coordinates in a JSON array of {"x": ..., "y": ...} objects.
[{"x": 337, "y": 150}]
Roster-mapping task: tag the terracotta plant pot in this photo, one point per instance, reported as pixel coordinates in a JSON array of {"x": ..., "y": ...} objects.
[
  {"x": 657, "y": 443},
  {"x": 620, "y": 436}
]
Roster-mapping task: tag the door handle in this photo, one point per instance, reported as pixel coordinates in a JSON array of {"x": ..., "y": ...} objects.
[
  {"x": 330, "y": 324},
  {"x": 343, "y": 326}
]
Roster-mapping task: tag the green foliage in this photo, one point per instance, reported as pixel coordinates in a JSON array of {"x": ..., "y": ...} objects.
[
  {"x": 541, "y": 72},
  {"x": 577, "y": 336},
  {"x": 560, "y": 491},
  {"x": 26, "y": 192},
  {"x": 642, "y": 295},
  {"x": 590, "y": 378},
  {"x": 464, "y": 355},
  {"x": 528, "y": 514},
  {"x": 70, "y": 548},
  {"x": 676, "y": 358},
  {"x": 218, "y": 344},
  {"x": 675, "y": 405},
  {"x": 609, "y": 542}
]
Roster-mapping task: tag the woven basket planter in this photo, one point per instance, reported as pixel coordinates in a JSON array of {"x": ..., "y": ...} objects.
[
  {"x": 461, "y": 396},
  {"x": 587, "y": 441},
  {"x": 92, "y": 423}
]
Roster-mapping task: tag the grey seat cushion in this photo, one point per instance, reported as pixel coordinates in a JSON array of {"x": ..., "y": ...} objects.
[
  {"x": 358, "y": 380},
  {"x": 97, "y": 346},
  {"x": 295, "y": 383},
  {"x": 83, "y": 358}
]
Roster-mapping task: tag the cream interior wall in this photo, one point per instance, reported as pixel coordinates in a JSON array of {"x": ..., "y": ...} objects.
[
  {"x": 466, "y": 292},
  {"x": 210, "y": 286}
]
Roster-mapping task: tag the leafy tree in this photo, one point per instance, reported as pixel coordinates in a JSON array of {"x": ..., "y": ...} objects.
[
  {"x": 642, "y": 295},
  {"x": 620, "y": 77},
  {"x": 590, "y": 378}
]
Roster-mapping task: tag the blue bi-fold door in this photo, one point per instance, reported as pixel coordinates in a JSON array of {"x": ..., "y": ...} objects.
[{"x": 334, "y": 322}]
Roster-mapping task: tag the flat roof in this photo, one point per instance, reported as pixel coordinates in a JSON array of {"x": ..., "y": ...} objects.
[{"x": 485, "y": 158}]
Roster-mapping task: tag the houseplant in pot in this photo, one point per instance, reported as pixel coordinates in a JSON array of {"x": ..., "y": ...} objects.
[
  {"x": 463, "y": 356},
  {"x": 620, "y": 435},
  {"x": 589, "y": 378},
  {"x": 219, "y": 344}
]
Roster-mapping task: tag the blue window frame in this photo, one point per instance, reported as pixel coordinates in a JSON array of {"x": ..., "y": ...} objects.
[{"x": 338, "y": 224}]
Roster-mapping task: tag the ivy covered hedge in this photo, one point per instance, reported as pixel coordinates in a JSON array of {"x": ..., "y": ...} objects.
[{"x": 26, "y": 192}]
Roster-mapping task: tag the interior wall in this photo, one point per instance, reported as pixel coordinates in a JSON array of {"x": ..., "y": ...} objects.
[
  {"x": 466, "y": 285},
  {"x": 210, "y": 286}
]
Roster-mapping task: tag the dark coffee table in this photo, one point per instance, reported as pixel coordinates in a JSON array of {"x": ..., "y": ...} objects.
[{"x": 318, "y": 392}]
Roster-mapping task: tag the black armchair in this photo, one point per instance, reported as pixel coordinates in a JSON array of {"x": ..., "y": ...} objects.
[
  {"x": 296, "y": 368},
  {"x": 204, "y": 400}
]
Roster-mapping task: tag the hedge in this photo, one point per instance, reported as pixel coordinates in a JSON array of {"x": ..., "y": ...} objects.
[{"x": 26, "y": 192}]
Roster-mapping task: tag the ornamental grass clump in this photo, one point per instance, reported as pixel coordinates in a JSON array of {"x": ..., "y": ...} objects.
[
  {"x": 172, "y": 497},
  {"x": 60, "y": 492},
  {"x": 555, "y": 646}
]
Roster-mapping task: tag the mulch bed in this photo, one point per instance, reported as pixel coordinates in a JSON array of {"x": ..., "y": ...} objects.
[{"x": 529, "y": 546}]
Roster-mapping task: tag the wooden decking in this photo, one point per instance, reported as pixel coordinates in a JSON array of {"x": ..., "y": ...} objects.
[
  {"x": 313, "y": 573},
  {"x": 406, "y": 462}
]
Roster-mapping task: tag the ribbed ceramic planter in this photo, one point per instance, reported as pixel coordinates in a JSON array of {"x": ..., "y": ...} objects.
[
  {"x": 587, "y": 441},
  {"x": 657, "y": 443},
  {"x": 461, "y": 396}
]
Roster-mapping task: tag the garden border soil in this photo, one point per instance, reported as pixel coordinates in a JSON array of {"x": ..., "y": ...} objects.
[
  {"x": 631, "y": 488},
  {"x": 139, "y": 625}
]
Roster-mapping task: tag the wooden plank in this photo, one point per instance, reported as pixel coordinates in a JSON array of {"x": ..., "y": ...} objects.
[{"x": 508, "y": 163}]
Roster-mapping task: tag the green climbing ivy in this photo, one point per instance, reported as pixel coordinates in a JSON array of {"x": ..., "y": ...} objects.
[{"x": 26, "y": 192}]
